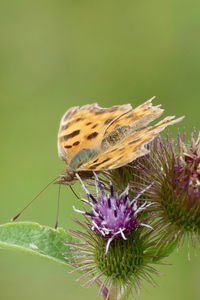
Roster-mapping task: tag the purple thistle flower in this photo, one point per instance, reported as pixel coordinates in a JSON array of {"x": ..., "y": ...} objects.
[
  {"x": 115, "y": 249},
  {"x": 113, "y": 216}
]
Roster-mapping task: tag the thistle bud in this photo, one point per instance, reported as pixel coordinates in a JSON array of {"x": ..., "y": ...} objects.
[{"x": 174, "y": 166}]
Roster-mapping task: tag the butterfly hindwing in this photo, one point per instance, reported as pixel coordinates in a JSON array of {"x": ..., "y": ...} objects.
[
  {"x": 139, "y": 117},
  {"x": 128, "y": 149}
]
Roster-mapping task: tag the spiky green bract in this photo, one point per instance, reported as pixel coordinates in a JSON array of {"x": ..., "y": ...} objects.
[
  {"x": 123, "y": 267},
  {"x": 174, "y": 168}
]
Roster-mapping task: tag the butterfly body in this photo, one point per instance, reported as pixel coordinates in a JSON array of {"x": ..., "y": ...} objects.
[
  {"x": 82, "y": 157},
  {"x": 92, "y": 138}
]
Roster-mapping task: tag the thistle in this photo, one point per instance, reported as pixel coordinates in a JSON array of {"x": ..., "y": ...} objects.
[
  {"x": 117, "y": 246},
  {"x": 136, "y": 215},
  {"x": 113, "y": 216},
  {"x": 174, "y": 166}
]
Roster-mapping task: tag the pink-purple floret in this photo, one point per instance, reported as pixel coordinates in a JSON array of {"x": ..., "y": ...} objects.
[{"x": 114, "y": 213}]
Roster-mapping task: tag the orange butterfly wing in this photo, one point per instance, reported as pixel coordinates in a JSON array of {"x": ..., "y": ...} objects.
[
  {"x": 128, "y": 149},
  {"x": 114, "y": 136},
  {"x": 139, "y": 117},
  {"x": 83, "y": 127}
]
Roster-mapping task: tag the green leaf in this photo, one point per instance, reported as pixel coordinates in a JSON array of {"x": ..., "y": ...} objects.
[{"x": 36, "y": 239}]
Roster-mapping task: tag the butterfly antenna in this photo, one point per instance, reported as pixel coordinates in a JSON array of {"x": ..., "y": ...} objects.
[
  {"x": 58, "y": 207},
  {"x": 19, "y": 214},
  {"x": 74, "y": 192}
]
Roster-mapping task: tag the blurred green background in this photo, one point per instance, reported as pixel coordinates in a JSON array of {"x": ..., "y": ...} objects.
[{"x": 57, "y": 54}]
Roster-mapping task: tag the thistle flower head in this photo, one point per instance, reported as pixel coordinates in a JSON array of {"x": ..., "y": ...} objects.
[
  {"x": 175, "y": 169},
  {"x": 112, "y": 215},
  {"x": 188, "y": 167},
  {"x": 115, "y": 249}
]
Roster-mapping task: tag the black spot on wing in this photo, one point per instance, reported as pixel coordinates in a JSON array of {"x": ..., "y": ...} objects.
[
  {"x": 78, "y": 119},
  {"x": 71, "y": 135},
  {"x": 76, "y": 143},
  {"x": 113, "y": 164},
  {"x": 67, "y": 146},
  {"x": 95, "y": 160},
  {"x": 100, "y": 163},
  {"x": 108, "y": 121},
  {"x": 133, "y": 142},
  {"x": 120, "y": 158},
  {"x": 113, "y": 150},
  {"x": 94, "y": 126},
  {"x": 87, "y": 124},
  {"x": 92, "y": 135}
]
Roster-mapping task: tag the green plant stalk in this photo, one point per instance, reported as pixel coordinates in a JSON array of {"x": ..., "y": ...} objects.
[{"x": 123, "y": 296}]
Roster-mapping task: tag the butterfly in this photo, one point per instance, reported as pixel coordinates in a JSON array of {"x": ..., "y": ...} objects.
[{"x": 92, "y": 138}]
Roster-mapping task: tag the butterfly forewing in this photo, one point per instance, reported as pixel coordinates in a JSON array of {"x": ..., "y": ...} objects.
[{"x": 84, "y": 127}]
